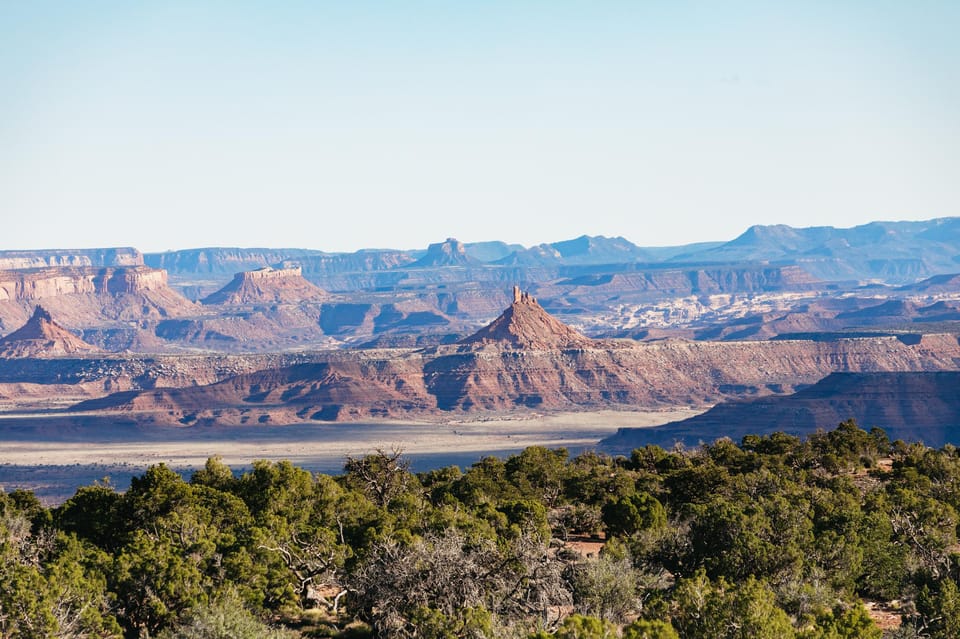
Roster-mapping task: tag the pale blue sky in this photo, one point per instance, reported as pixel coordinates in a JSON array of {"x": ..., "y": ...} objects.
[{"x": 355, "y": 124}]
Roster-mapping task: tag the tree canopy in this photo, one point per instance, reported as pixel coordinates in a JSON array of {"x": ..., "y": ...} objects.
[{"x": 772, "y": 537}]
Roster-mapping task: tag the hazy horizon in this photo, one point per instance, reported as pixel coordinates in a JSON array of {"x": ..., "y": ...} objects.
[
  {"x": 420, "y": 247},
  {"x": 337, "y": 127}
]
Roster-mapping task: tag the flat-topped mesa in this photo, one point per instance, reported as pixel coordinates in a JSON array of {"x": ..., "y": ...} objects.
[
  {"x": 42, "y": 336},
  {"x": 267, "y": 286},
  {"x": 526, "y": 325},
  {"x": 269, "y": 273},
  {"x": 97, "y": 258},
  {"x": 451, "y": 252},
  {"x": 54, "y": 281},
  {"x": 135, "y": 279}
]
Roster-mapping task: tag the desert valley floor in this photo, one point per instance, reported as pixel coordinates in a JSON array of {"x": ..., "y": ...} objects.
[{"x": 40, "y": 454}]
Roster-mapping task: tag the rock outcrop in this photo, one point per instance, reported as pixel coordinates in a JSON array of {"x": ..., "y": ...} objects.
[
  {"x": 42, "y": 337},
  {"x": 96, "y": 258},
  {"x": 526, "y": 359},
  {"x": 452, "y": 252},
  {"x": 36, "y": 284},
  {"x": 96, "y": 299},
  {"x": 330, "y": 391},
  {"x": 267, "y": 286},
  {"x": 221, "y": 262},
  {"x": 525, "y": 325}
]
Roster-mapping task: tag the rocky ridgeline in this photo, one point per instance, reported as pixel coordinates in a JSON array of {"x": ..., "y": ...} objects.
[
  {"x": 451, "y": 252},
  {"x": 527, "y": 360},
  {"x": 37, "y": 284},
  {"x": 605, "y": 287},
  {"x": 98, "y": 301},
  {"x": 101, "y": 374},
  {"x": 221, "y": 261},
  {"x": 18, "y": 260}
]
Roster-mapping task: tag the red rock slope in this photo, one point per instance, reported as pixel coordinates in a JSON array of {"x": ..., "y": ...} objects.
[
  {"x": 527, "y": 359},
  {"x": 267, "y": 286},
  {"x": 336, "y": 390},
  {"x": 526, "y": 325},
  {"x": 41, "y": 336}
]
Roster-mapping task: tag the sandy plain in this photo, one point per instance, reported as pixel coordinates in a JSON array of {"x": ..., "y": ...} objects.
[{"x": 53, "y": 458}]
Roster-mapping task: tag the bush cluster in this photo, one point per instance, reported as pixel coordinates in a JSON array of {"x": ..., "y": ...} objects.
[{"x": 775, "y": 537}]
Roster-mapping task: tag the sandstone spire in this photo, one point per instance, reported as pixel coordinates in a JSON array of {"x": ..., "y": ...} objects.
[
  {"x": 526, "y": 325},
  {"x": 42, "y": 336}
]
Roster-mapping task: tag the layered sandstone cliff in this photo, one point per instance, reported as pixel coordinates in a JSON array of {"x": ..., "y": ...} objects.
[
  {"x": 526, "y": 359},
  {"x": 36, "y": 284},
  {"x": 340, "y": 389},
  {"x": 267, "y": 286},
  {"x": 451, "y": 252},
  {"x": 90, "y": 298},
  {"x": 220, "y": 262},
  {"x": 97, "y": 258}
]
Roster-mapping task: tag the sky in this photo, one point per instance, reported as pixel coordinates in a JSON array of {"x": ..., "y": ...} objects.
[{"x": 344, "y": 125}]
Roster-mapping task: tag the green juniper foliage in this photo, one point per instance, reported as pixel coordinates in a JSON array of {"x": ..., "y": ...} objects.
[{"x": 773, "y": 537}]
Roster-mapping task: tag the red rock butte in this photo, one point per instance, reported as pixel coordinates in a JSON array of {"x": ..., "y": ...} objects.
[
  {"x": 42, "y": 336},
  {"x": 526, "y": 325},
  {"x": 266, "y": 285}
]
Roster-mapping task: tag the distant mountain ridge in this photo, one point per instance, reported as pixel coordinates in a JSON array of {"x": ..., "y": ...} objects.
[
  {"x": 893, "y": 251},
  {"x": 451, "y": 252},
  {"x": 97, "y": 258},
  {"x": 768, "y": 282},
  {"x": 896, "y": 252}
]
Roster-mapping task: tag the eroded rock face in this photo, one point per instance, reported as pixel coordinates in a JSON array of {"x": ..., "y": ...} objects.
[
  {"x": 525, "y": 325},
  {"x": 526, "y": 359},
  {"x": 452, "y": 252},
  {"x": 669, "y": 373},
  {"x": 221, "y": 261},
  {"x": 97, "y": 258},
  {"x": 267, "y": 286},
  {"x": 42, "y": 337},
  {"x": 37, "y": 284},
  {"x": 334, "y": 390},
  {"x": 98, "y": 300},
  {"x": 355, "y": 385},
  {"x": 90, "y": 296}
]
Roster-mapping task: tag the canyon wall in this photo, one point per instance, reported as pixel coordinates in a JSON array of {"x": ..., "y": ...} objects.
[
  {"x": 98, "y": 258},
  {"x": 37, "y": 284},
  {"x": 467, "y": 379}
]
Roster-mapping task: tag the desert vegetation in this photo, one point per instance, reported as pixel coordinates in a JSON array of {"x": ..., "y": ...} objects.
[{"x": 844, "y": 534}]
